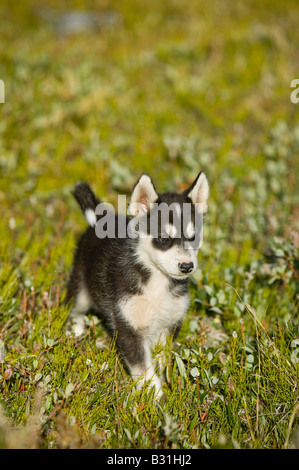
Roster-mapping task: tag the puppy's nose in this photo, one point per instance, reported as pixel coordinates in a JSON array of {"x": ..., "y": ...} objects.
[{"x": 186, "y": 267}]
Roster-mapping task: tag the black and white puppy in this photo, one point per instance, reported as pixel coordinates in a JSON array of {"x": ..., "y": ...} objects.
[{"x": 138, "y": 282}]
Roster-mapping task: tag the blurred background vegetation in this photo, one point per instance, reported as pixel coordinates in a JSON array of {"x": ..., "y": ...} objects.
[{"x": 102, "y": 91}]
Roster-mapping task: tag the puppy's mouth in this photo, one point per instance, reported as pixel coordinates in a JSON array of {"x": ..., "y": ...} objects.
[{"x": 178, "y": 276}]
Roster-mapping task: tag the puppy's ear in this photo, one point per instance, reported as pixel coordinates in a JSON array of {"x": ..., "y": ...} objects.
[
  {"x": 143, "y": 195},
  {"x": 199, "y": 192}
]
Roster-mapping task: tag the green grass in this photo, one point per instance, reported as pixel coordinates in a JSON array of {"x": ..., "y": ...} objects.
[{"x": 169, "y": 88}]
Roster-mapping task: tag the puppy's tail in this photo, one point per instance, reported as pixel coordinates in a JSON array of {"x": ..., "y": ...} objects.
[{"x": 87, "y": 201}]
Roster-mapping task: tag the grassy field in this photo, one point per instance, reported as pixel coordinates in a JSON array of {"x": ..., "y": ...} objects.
[{"x": 170, "y": 88}]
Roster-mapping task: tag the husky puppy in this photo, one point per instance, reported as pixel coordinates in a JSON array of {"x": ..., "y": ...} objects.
[{"x": 139, "y": 282}]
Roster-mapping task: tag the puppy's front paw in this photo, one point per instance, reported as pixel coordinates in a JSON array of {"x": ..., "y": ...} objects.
[{"x": 75, "y": 326}]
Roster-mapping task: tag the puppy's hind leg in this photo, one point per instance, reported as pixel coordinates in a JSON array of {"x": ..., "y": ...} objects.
[{"x": 82, "y": 304}]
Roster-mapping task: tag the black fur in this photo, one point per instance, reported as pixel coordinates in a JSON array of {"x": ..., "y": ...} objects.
[{"x": 85, "y": 196}]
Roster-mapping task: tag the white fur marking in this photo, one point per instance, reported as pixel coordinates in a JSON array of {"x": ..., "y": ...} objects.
[
  {"x": 155, "y": 308},
  {"x": 82, "y": 305},
  {"x": 90, "y": 217},
  {"x": 170, "y": 230},
  {"x": 190, "y": 230}
]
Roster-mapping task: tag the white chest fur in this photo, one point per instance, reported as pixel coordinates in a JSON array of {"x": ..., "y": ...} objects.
[{"x": 156, "y": 308}]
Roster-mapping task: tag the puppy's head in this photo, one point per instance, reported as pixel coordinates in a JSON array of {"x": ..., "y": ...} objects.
[{"x": 169, "y": 225}]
